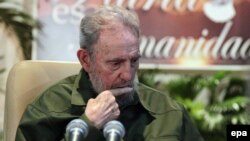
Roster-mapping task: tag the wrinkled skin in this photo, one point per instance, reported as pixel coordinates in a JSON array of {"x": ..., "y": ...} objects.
[{"x": 112, "y": 72}]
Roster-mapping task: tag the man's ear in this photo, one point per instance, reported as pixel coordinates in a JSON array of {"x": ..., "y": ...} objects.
[{"x": 84, "y": 59}]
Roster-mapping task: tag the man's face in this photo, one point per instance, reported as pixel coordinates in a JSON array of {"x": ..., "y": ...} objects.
[{"x": 116, "y": 59}]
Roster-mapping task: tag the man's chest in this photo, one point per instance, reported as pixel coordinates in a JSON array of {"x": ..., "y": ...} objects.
[{"x": 142, "y": 126}]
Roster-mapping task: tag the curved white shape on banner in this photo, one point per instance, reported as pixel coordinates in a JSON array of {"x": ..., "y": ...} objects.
[
  {"x": 148, "y": 5},
  {"x": 150, "y": 47},
  {"x": 119, "y": 2},
  {"x": 164, "y": 5},
  {"x": 244, "y": 48},
  {"x": 191, "y": 5},
  {"x": 219, "y": 12},
  {"x": 143, "y": 44},
  {"x": 131, "y": 4}
]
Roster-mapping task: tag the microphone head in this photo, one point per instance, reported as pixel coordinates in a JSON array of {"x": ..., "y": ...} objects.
[
  {"x": 114, "y": 126},
  {"x": 77, "y": 124}
]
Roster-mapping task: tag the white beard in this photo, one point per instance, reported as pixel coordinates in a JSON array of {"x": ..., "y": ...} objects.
[{"x": 99, "y": 87}]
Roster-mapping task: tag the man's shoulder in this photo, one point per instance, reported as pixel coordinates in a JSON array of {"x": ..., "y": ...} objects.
[
  {"x": 155, "y": 101},
  {"x": 63, "y": 86},
  {"x": 56, "y": 96}
]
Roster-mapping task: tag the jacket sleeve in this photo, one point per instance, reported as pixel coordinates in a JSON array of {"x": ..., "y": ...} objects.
[
  {"x": 19, "y": 135},
  {"x": 189, "y": 131},
  {"x": 36, "y": 125}
]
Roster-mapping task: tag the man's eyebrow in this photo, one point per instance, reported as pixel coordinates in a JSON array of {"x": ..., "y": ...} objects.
[
  {"x": 116, "y": 60},
  {"x": 138, "y": 55},
  {"x": 123, "y": 59}
]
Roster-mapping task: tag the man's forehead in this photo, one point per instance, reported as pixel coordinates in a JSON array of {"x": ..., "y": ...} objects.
[
  {"x": 115, "y": 50},
  {"x": 122, "y": 55},
  {"x": 116, "y": 37}
]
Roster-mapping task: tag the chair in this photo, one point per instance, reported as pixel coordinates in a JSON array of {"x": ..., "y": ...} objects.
[{"x": 26, "y": 80}]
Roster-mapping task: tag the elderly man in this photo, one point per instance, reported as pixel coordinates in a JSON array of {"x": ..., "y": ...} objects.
[{"x": 105, "y": 89}]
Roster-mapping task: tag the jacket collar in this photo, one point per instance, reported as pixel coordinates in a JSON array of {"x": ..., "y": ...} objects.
[{"x": 82, "y": 89}]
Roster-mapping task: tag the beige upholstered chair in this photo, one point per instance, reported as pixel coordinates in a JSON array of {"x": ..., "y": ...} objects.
[{"x": 26, "y": 80}]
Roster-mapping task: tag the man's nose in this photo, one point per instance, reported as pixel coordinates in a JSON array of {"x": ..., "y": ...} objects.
[{"x": 127, "y": 73}]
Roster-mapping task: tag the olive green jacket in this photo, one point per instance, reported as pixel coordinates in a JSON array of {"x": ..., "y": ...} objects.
[{"x": 152, "y": 116}]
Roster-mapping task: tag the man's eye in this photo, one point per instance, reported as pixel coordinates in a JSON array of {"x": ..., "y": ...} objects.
[
  {"x": 114, "y": 65},
  {"x": 134, "y": 61}
]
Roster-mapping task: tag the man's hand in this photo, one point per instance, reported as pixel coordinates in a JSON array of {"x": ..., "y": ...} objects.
[{"x": 104, "y": 107}]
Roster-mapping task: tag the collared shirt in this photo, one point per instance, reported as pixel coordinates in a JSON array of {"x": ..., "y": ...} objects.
[{"x": 152, "y": 116}]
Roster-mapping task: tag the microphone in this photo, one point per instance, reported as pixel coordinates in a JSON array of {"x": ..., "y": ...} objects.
[
  {"x": 76, "y": 130},
  {"x": 113, "y": 131}
]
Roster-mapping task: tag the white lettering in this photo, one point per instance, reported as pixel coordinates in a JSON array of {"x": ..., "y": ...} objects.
[
  {"x": 233, "y": 43},
  {"x": 244, "y": 133},
  {"x": 216, "y": 47},
  {"x": 177, "y": 4},
  {"x": 238, "y": 133},
  {"x": 106, "y": 2},
  {"x": 131, "y": 4},
  {"x": 208, "y": 47},
  {"x": 119, "y": 2},
  {"x": 168, "y": 46},
  {"x": 221, "y": 39},
  {"x": 244, "y": 49},
  {"x": 164, "y": 5},
  {"x": 148, "y": 5},
  {"x": 161, "y": 50},
  {"x": 189, "y": 47},
  {"x": 180, "y": 48},
  {"x": 63, "y": 14},
  {"x": 59, "y": 11},
  {"x": 143, "y": 44},
  {"x": 77, "y": 12},
  {"x": 233, "y": 133},
  {"x": 191, "y": 5},
  {"x": 200, "y": 43},
  {"x": 150, "y": 47}
]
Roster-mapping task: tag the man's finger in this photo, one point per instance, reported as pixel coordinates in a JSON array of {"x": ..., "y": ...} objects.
[{"x": 121, "y": 91}]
